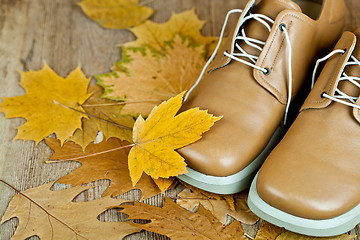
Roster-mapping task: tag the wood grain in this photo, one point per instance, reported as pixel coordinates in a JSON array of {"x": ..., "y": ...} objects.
[{"x": 56, "y": 31}]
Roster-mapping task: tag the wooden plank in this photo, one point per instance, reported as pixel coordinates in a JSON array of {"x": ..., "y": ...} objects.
[{"x": 56, "y": 31}]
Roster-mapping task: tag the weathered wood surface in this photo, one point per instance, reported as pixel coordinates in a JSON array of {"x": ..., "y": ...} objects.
[{"x": 56, "y": 31}]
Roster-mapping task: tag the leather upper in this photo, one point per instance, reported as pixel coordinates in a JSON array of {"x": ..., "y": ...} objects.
[
  {"x": 314, "y": 171},
  {"x": 252, "y": 104}
]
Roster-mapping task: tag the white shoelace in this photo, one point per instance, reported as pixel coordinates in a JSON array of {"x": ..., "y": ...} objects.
[
  {"x": 255, "y": 43},
  {"x": 340, "y": 96}
]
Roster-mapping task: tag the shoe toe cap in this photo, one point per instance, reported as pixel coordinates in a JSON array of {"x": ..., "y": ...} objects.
[{"x": 306, "y": 188}]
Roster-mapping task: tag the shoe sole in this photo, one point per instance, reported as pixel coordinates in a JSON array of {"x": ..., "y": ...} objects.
[
  {"x": 319, "y": 228},
  {"x": 234, "y": 183}
]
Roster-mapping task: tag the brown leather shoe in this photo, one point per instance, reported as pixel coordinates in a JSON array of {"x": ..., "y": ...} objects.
[
  {"x": 251, "y": 80},
  {"x": 310, "y": 183}
]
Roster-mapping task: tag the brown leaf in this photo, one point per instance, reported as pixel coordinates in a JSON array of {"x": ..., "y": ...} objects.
[
  {"x": 178, "y": 223},
  {"x": 230, "y": 201},
  {"x": 209, "y": 195},
  {"x": 68, "y": 219},
  {"x": 218, "y": 207},
  {"x": 143, "y": 80},
  {"x": 269, "y": 232},
  {"x": 112, "y": 165}
]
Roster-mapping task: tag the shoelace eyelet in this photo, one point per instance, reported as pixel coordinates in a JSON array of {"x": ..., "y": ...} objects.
[
  {"x": 282, "y": 26},
  {"x": 322, "y": 94},
  {"x": 267, "y": 71},
  {"x": 345, "y": 49}
]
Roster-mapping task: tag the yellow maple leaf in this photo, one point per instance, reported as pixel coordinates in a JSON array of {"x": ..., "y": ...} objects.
[
  {"x": 43, "y": 104},
  {"x": 86, "y": 134},
  {"x": 103, "y": 117},
  {"x": 156, "y": 139},
  {"x": 143, "y": 80},
  {"x": 116, "y": 14},
  {"x": 156, "y": 35},
  {"x": 164, "y": 183}
]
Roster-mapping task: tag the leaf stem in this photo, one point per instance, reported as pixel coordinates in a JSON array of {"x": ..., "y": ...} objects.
[
  {"x": 90, "y": 115},
  {"x": 38, "y": 205},
  {"x": 121, "y": 103},
  {"x": 94, "y": 154}
]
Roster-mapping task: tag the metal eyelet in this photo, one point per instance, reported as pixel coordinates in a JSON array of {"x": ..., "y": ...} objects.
[
  {"x": 267, "y": 71},
  {"x": 282, "y": 26}
]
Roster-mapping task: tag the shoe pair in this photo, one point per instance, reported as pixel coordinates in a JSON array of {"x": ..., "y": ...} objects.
[{"x": 310, "y": 182}]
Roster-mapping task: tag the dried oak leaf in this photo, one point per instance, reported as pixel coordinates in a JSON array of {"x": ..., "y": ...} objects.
[
  {"x": 271, "y": 232},
  {"x": 157, "y": 138},
  {"x": 63, "y": 219},
  {"x": 43, "y": 104},
  {"x": 156, "y": 35},
  {"x": 219, "y": 208},
  {"x": 178, "y": 223},
  {"x": 112, "y": 165},
  {"x": 116, "y": 14},
  {"x": 228, "y": 198},
  {"x": 209, "y": 195},
  {"x": 143, "y": 80},
  {"x": 111, "y": 125}
]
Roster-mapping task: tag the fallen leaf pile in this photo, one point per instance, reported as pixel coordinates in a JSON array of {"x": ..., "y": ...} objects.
[{"x": 103, "y": 128}]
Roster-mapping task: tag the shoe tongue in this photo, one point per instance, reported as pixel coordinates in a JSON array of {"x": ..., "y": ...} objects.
[
  {"x": 269, "y": 8},
  {"x": 353, "y": 70}
]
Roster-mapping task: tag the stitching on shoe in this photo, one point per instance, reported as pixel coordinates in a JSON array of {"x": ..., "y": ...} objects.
[
  {"x": 333, "y": 80},
  {"x": 301, "y": 18},
  {"x": 281, "y": 46},
  {"x": 265, "y": 57}
]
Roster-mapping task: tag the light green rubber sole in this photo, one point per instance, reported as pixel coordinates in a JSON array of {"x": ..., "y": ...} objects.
[
  {"x": 319, "y": 228},
  {"x": 236, "y": 182}
]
